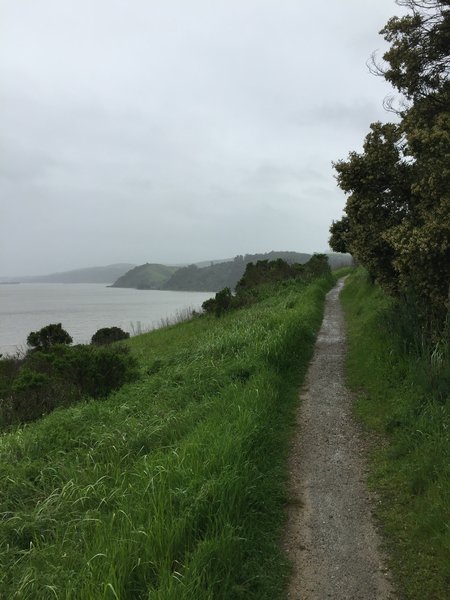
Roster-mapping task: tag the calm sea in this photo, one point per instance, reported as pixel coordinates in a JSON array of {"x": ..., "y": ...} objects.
[{"x": 84, "y": 308}]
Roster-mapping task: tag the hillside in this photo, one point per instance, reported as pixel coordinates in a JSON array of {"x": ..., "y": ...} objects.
[
  {"x": 173, "y": 487},
  {"x": 145, "y": 277},
  {"x": 226, "y": 274},
  {"x": 210, "y": 276},
  {"x": 106, "y": 274}
]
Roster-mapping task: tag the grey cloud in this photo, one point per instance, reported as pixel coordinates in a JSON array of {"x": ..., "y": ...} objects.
[
  {"x": 338, "y": 114},
  {"x": 174, "y": 131}
]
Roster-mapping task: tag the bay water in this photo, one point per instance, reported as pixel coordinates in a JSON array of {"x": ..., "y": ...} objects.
[{"x": 84, "y": 308}]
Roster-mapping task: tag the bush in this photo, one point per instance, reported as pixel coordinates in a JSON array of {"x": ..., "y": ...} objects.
[
  {"x": 262, "y": 274},
  {"x": 223, "y": 301},
  {"x": 108, "y": 335},
  {"x": 97, "y": 371},
  {"x": 60, "y": 376},
  {"x": 48, "y": 336}
]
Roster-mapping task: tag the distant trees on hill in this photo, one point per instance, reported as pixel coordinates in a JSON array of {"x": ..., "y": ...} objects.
[
  {"x": 204, "y": 277},
  {"x": 223, "y": 275},
  {"x": 263, "y": 273},
  {"x": 145, "y": 277}
]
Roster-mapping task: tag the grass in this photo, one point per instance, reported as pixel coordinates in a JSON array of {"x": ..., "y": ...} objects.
[
  {"x": 174, "y": 486},
  {"x": 403, "y": 395}
]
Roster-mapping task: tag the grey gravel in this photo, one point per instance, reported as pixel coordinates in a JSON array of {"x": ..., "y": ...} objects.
[{"x": 331, "y": 538}]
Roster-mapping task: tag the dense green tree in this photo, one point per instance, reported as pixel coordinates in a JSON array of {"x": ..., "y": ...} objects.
[
  {"x": 108, "y": 335},
  {"x": 48, "y": 336},
  {"x": 339, "y": 235},
  {"x": 418, "y": 60},
  {"x": 397, "y": 220},
  {"x": 378, "y": 182}
]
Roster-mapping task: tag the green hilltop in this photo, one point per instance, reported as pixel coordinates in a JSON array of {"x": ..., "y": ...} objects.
[
  {"x": 145, "y": 277},
  {"x": 225, "y": 274},
  {"x": 210, "y": 276}
]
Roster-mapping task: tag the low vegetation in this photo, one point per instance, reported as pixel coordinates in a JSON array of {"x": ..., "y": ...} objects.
[
  {"x": 172, "y": 487},
  {"x": 403, "y": 389},
  {"x": 265, "y": 272},
  {"x": 54, "y": 374}
]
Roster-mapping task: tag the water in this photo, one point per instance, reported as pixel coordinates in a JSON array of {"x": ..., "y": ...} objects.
[{"x": 84, "y": 308}]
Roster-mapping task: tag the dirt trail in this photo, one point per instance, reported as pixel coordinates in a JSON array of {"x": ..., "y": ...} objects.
[{"x": 330, "y": 536}]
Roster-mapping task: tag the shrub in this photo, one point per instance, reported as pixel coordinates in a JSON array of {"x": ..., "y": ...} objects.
[
  {"x": 48, "y": 336},
  {"x": 259, "y": 276},
  {"x": 108, "y": 335},
  {"x": 59, "y": 376},
  {"x": 98, "y": 371},
  {"x": 223, "y": 301},
  {"x": 35, "y": 394}
]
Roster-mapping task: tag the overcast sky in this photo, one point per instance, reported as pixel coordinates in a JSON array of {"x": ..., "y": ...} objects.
[{"x": 177, "y": 131}]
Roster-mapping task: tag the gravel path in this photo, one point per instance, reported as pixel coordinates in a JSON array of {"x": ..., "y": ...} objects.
[{"x": 330, "y": 536}]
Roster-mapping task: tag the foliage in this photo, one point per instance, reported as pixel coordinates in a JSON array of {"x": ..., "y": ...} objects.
[
  {"x": 397, "y": 221},
  {"x": 95, "y": 371},
  {"x": 224, "y": 274},
  {"x": 339, "y": 231},
  {"x": 48, "y": 336},
  {"x": 108, "y": 335},
  {"x": 174, "y": 486},
  {"x": 418, "y": 61},
  {"x": 402, "y": 384},
  {"x": 263, "y": 273},
  {"x": 317, "y": 266},
  {"x": 222, "y": 302},
  {"x": 59, "y": 376}
]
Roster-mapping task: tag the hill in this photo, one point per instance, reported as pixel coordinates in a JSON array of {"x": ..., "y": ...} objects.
[
  {"x": 174, "y": 487},
  {"x": 106, "y": 274},
  {"x": 226, "y": 274},
  {"x": 146, "y": 277}
]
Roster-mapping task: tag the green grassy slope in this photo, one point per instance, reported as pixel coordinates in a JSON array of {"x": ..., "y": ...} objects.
[
  {"x": 173, "y": 487},
  {"x": 404, "y": 396}
]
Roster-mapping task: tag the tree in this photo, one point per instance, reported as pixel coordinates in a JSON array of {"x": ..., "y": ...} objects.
[
  {"x": 48, "y": 336},
  {"x": 419, "y": 67},
  {"x": 418, "y": 60},
  {"x": 108, "y": 335},
  {"x": 378, "y": 182},
  {"x": 339, "y": 235},
  {"x": 398, "y": 206},
  {"x": 222, "y": 302}
]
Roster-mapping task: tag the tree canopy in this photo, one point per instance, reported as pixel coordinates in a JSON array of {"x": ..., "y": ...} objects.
[
  {"x": 48, "y": 336},
  {"x": 397, "y": 221}
]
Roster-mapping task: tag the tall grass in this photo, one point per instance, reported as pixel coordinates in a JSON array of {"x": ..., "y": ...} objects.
[
  {"x": 172, "y": 488},
  {"x": 403, "y": 385}
]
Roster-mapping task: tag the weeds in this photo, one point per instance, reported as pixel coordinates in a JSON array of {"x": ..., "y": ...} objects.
[{"x": 403, "y": 386}]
